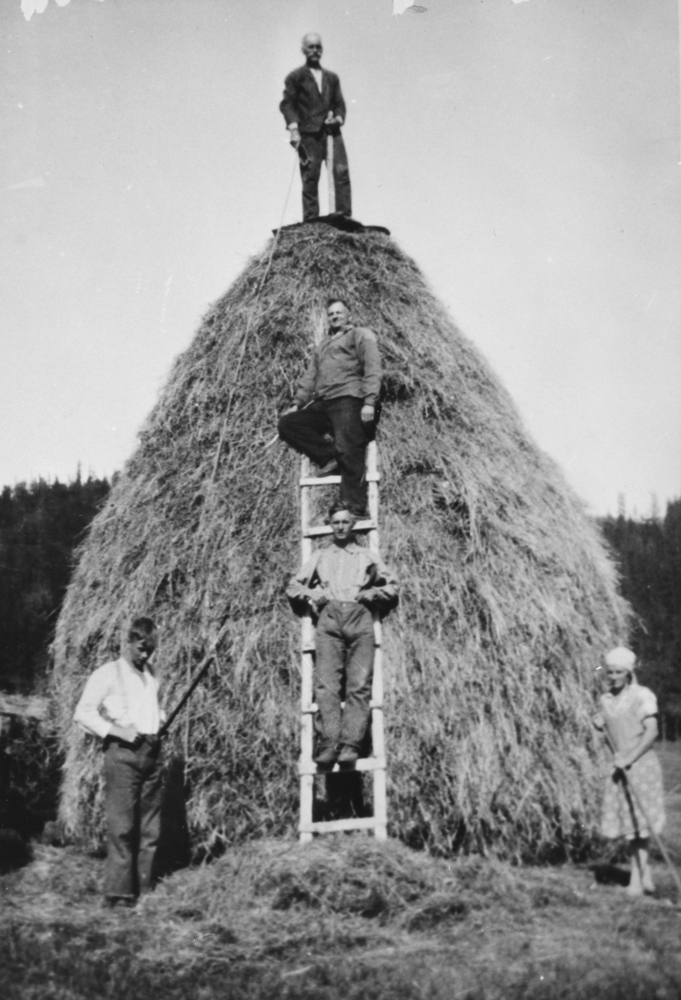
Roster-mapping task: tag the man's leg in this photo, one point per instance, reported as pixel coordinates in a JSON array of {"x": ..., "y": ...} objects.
[
  {"x": 121, "y": 787},
  {"x": 328, "y": 674},
  {"x": 315, "y": 149},
  {"x": 349, "y": 438},
  {"x": 305, "y": 431},
  {"x": 341, "y": 177},
  {"x": 150, "y": 817},
  {"x": 358, "y": 630}
]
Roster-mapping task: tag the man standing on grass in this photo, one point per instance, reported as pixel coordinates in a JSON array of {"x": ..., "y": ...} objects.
[
  {"x": 337, "y": 398},
  {"x": 313, "y": 108},
  {"x": 120, "y": 705},
  {"x": 343, "y": 585}
]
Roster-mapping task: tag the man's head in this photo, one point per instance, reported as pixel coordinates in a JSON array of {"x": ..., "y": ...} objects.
[
  {"x": 142, "y": 641},
  {"x": 312, "y": 49},
  {"x": 342, "y": 524},
  {"x": 337, "y": 314}
]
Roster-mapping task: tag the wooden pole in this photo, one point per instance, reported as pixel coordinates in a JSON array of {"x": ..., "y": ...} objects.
[{"x": 329, "y": 174}]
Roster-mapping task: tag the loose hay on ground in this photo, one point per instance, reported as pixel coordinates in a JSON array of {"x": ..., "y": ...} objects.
[{"x": 471, "y": 927}]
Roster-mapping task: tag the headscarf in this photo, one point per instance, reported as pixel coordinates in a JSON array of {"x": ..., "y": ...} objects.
[{"x": 621, "y": 658}]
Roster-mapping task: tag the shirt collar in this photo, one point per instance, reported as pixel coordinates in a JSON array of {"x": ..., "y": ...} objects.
[
  {"x": 335, "y": 336},
  {"x": 146, "y": 669}
]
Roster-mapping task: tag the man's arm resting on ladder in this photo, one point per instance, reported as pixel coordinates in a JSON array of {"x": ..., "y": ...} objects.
[
  {"x": 382, "y": 591},
  {"x": 302, "y": 595}
]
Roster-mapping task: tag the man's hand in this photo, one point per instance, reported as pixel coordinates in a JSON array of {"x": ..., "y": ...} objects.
[
  {"x": 598, "y": 721},
  {"x": 317, "y": 598},
  {"x": 126, "y": 733},
  {"x": 368, "y": 413},
  {"x": 333, "y": 124},
  {"x": 367, "y": 597},
  {"x": 294, "y": 137}
]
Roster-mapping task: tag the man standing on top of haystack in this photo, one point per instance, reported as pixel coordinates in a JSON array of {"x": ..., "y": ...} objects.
[
  {"x": 313, "y": 108},
  {"x": 120, "y": 705},
  {"x": 343, "y": 584},
  {"x": 338, "y": 396}
]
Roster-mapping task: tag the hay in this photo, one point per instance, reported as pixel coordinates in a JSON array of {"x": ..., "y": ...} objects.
[{"x": 508, "y": 597}]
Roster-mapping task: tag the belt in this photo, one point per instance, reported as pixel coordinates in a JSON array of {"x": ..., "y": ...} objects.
[{"x": 140, "y": 741}]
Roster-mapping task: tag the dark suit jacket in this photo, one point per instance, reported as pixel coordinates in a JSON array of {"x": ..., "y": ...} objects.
[{"x": 302, "y": 102}]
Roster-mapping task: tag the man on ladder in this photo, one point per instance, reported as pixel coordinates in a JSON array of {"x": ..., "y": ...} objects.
[
  {"x": 343, "y": 585},
  {"x": 314, "y": 110},
  {"x": 337, "y": 398}
]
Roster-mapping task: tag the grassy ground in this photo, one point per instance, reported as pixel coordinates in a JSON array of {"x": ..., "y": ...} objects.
[{"x": 341, "y": 919}]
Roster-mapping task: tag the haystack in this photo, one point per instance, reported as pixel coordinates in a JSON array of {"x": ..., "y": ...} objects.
[{"x": 508, "y": 597}]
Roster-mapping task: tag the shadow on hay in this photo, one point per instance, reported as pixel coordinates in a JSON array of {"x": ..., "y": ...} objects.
[{"x": 174, "y": 849}]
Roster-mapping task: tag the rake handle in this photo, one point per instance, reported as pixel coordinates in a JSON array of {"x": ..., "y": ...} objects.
[{"x": 202, "y": 669}]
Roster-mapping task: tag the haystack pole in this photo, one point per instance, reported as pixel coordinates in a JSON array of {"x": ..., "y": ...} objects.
[
  {"x": 329, "y": 173},
  {"x": 509, "y": 596}
]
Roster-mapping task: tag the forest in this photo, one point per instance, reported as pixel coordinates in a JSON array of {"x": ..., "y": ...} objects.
[
  {"x": 648, "y": 553},
  {"x": 40, "y": 526},
  {"x": 42, "y": 523}
]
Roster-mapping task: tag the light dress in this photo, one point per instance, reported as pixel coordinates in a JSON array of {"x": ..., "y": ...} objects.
[{"x": 622, "y": 816}]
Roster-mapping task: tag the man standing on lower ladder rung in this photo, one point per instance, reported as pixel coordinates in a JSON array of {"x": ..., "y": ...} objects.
[{"x": 343, "y": 585}]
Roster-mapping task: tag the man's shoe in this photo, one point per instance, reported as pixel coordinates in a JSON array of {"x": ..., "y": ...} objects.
[
  {"x": 327, "y": 756},
  {"x": 329, "y": 469},
  {"x": 348, "y": 755}
]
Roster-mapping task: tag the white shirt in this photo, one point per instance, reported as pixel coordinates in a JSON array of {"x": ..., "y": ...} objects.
[
  {"x": 317, "y": 74},
  {"x": 119, "y": 694}
]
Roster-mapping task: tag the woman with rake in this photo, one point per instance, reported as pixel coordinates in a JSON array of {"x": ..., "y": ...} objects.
[{"x": 633, "y": 805}]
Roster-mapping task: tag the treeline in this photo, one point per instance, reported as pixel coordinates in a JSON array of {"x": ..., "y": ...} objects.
[
  {"x": 40, "y": 526},
  {"x": 649, "y": 556}
]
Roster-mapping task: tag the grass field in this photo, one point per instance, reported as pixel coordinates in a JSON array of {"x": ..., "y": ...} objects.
[{"x": 345, "y": 918}]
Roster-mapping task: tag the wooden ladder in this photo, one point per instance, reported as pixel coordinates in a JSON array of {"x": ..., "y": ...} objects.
[{"x": 376, "y": 763}]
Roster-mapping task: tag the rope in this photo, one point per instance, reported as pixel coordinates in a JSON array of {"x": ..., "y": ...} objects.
[{"x": 276, "y": 235}]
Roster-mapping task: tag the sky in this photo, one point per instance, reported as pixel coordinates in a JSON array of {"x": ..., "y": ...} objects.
[{"x": 525, "y": 154}]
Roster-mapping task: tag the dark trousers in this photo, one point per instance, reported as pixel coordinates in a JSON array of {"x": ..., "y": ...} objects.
[
  {"x": 344, "y": 648},
  {"x": 306, "y": 430},
  {"x": 133, "y": 816},
  {"x": 315, "y": 147}
]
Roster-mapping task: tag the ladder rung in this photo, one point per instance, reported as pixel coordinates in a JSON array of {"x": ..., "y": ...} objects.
[
  {"x": 313, "y": 707},
  {"x": 311, "y": 649},
  {"x": 330, "y": 826},
  {"x": 324, "y": 529},
  {"x": 320, "y": 480},
  {"x": 369, "y": 477},
  {"x": 363, "y": 764}
]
